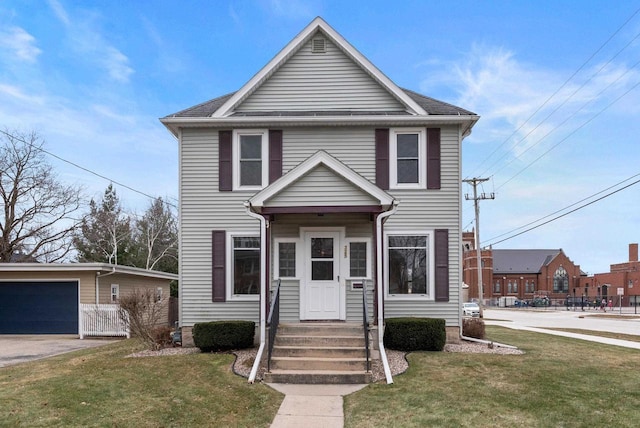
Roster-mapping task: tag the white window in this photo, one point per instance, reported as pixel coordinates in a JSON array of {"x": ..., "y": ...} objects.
[
  {"x": 409, "y": 265},
  {"x": 243, "y": 274},
  {"x": 407, "y": 156},
  {"x": 158, "y": 294},
  {"x": 250, "y": 158},
  {"x": 115, "y": 293},
  {"x": 358, "y": 253},
  {"x": 285, "y": 261}
]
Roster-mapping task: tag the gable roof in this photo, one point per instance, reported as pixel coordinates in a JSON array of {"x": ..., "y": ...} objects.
[
  {"x": 521, "y": 261},
  {"x": 317, "y": 25},
  {"x": 321, "y": 158},
  {"x": 408, "y": 108}
]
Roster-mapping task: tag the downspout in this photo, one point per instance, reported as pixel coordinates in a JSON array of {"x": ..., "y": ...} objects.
[
  {"x": 486, "y": 342},
  {"x": 98, "y": 276},
  {"x": 380, "y": 286},
  {"x": 263, "y": 291}
]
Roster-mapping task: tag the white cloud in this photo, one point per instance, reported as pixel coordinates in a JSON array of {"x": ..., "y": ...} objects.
[
  {"x": 117, "y": 64},
  {"x": 20, "y": 43},
  {"x": 92, "y": 46}
]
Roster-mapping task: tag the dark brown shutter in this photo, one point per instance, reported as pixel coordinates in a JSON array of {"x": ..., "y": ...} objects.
[
  {"x": 433, "y": 158},
  {"x": 382, "y": 158},
  {"x": 218, "y": 262},
  {"x": 275, "y": 155},
  {"x": 441, "y": 257},
  {"x": 225, "y": 167}
]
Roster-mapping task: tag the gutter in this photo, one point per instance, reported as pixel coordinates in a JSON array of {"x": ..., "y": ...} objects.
[
  {"x": 263, "y": 291},
  {"x": 380, "y": 286}
]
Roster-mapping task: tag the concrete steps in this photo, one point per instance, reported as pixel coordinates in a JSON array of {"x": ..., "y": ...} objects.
[{"x": 319, "y": 353}]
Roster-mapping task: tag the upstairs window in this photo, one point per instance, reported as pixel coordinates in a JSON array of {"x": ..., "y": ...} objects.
[
  {"x": 407, "y": 159},
  {"x": 250, "y": 156}
]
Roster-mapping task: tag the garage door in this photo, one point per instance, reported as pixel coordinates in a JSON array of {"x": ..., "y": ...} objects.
[{"x": 39, "y": 307}]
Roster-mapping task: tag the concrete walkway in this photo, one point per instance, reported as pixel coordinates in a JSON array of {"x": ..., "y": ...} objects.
[{"x": 312, "y": 406}]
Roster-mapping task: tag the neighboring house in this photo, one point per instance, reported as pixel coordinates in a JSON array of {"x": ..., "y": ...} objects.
[
  {"x": 46, "y": 298},
  {"x": 321, "y": 173}
]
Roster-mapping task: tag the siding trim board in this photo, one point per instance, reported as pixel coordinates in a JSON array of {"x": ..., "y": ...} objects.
[{"x": 323, "y": 209}]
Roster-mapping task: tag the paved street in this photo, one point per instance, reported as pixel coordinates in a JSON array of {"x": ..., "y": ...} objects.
[{"x": 541, "y": 320}]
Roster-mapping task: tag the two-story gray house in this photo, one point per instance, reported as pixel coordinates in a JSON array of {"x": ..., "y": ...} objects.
[{"x": 324, "y": 176}]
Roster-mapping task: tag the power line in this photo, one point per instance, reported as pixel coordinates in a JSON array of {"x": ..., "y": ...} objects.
[
  {"x": 565, "y": 214},
  {"x": 570, "y": 134},
  {"x": 83, "y": 168},
  {"x": 565, "y": 208},
  {"x": 559, "y": 89}
]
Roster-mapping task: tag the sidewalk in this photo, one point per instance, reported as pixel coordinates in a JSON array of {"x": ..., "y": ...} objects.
[{"x": 312, "y": 406}]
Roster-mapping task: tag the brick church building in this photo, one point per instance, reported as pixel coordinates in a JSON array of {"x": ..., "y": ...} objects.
[{"x": 529, "y": 273}]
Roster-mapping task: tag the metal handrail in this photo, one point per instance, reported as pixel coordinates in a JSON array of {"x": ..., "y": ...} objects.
[
  {"x": 365, "y": 323},
  {"x": 273, "y": 321}
]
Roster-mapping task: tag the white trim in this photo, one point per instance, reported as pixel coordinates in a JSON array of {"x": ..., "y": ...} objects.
[
  {"x": 83, "y": 267},
  {"x": 276, "y": 258},
  {"x": 393, "y": 158},
  {"x": 430, "y": 295},
  {"x": 318, "y": 24},
  {"x": 117, "y": 293},
  {"x": 347, "y": 257},
  {"x": 318, "y": 158},
  {"x": 230, "y": 265},
  {"x": 264, "y": 157}
]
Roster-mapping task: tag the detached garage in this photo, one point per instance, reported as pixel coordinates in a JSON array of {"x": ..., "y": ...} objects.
[
  {"x": 39, "y": 307},
  {"x": 46, "y": 298}
]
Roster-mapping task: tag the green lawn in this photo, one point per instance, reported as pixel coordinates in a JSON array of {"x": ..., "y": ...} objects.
[
  {"x": 558, "y": 382},
  {"x": 99, "y": 387}
]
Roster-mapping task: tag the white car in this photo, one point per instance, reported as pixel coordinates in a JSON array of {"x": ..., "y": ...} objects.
[{"x": 470, "y": 309}]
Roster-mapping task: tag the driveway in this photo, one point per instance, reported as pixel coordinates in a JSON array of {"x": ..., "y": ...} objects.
[{"x": 16, "y": 349}]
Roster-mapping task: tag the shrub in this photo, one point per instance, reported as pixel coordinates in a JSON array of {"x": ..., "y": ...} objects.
[
  {"x": 473, "y": 327},
  {"x": 415, "y": 334},
  {"x": 223, "y": 335},
  {"x": 162, "y": 336},
  {"x": 142, "y": 312}
]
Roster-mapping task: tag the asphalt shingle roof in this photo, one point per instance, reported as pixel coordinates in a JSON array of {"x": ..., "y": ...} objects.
[
  {"x": 521, "y": 261},
  {"x": 430, "y": 105}
]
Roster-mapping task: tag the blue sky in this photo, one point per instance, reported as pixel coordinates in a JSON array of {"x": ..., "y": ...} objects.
[{"x": 93, "y": 77}]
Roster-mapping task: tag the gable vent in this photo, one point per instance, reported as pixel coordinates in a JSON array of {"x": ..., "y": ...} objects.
[{"x": 318, "y": 45}]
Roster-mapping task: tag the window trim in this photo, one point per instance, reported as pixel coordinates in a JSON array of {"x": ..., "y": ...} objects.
[
  {"x": 347, "y": 243},
  {"x": 231, "y": 266},
  {"x": 276, "y": 258},
  {"x": 237, "y": 133},
  {"x": 117, "y": 293},
  {"x": 431, "y": 287},
  {"x": 393, "y": 158}
]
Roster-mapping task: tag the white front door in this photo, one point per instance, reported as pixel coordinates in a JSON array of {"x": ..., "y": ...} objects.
[{"x": 321, "y": 294}]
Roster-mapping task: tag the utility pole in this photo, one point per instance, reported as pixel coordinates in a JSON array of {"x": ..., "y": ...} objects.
[{"x": 474, "y": 182}]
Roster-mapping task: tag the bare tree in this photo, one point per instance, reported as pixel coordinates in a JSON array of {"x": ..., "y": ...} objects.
[
  {"x": 39, "y": 211},
  {"x": 157, "y": 236}
]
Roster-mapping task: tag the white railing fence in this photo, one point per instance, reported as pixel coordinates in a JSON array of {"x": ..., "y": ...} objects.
[{"x": 102, "y": 320}]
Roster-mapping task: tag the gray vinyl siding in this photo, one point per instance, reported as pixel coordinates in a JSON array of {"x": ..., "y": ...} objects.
[
  {"x": 321, "y": 187},
  {"x": 314, "y": 82},
  {"x": 430, "y": 210},
  {"x": 354, "y": 303},
  {"x": 204, "y": 209}
]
